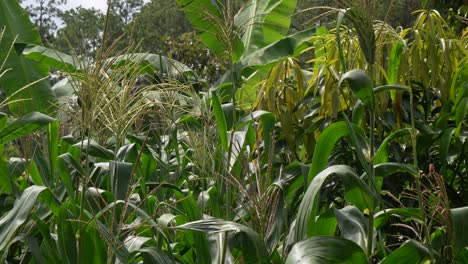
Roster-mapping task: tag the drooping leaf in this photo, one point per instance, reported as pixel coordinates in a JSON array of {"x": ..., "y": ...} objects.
[
  {"x": 54, "y": 58},
  {"x": 382, "y": 217},
  {"x": 120, "y": 173},
  {"x": 361, "y": 85},
  {"x": 151, "y": 63},
  {"x": 92, "y": 148},
  {"x": 353, "y": 225},
  {"x": 205, "y": 16},
  {"x": 37, "y": 97},
  {"x": 444, "y": 145},
  {"x": 460, "y": 227},
  {"x": 264, "y": 22},
  {"x": 242, "y": 237},
  {"x": 381, "y": 155},
  {"x": 410, "y": 252},
  {"x": 387, "y": 169},
  {"x": 23, "y": 126},
  {"x": 356, "y": 192},
  {"x": 325, "y": 250},
  {"x": 326, "y": 143},
  {"x": 10, "y": 223},
  {"x": 288, "y": 46}
]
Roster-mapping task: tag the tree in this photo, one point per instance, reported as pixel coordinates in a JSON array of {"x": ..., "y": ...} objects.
[
  {"x": 44, "y": 14},
  {"x": 82, "y": 32},
  {"x": 119, "y": 21},
  {"x": 157, "y": 19}
]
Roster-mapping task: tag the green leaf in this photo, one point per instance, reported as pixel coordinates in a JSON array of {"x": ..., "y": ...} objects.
[
  {"x": 381, "y": 155},
  {"x": 382, "y": 217},
  {"x": 23, "y": 72},
  {"x": 353, "y": 225},
  {"x": 221, "y": 121},
  {"x": 63, "y": 91},
  {"x": 383, "y": 170},
  {"x": 205, "y": 16},
  {"x": 325, "y": 250},
  {"x": 120, "y": 175},
  {"x": 327, "y": 223},
  {"x": 50, "y": 57},
  {"x": 155, "y": 255},
  {"x": 361, "y": 85},
  {"x": 242, "y": 237},
  {"x": 391, "y": 87},
  {"x": 92, "y": 147},
  {"x": 10, "y": 223},
  {"x": 53, "y": 147},
  {"x": 264, "y": 22},
  {"x": 444, "y": 145},
  {"x": 326, "y": 143},
  {"x": 66, "y": 236},
  {"x": 460, "y": 227},
  {"x": 409, "y": 253},
  {"x": 23, "y": 126},
  {"x": 288, "y": 46},
  {"x": 394, "y": 62},
  {"x": 356, "y": 192},
  {"x": 151, "y": 63}
]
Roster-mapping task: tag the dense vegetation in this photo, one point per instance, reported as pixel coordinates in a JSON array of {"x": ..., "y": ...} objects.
[{"x": 339, "y": 137}]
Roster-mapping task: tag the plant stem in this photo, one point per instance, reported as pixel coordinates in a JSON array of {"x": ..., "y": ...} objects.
[
  {"x": 427, "y": 235},
  {"x": 370, "y": 231}
]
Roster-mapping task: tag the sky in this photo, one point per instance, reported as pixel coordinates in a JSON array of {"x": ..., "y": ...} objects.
[{"x": 98, "y": 4}]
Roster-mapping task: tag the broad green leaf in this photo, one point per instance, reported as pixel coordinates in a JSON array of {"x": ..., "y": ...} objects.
[
  {"x": 65, "y": 175},
  {"x": 288, "y": 46},
  {"x": 444, "y": 145},
  {"x": 353, "y": 225},
  {"x": 6, "y": 183},
  {"x": 193, "y": 213},
  {"x": 66, "y": 236},
  {"x": 407, "y": 214},
  {"x": 460, "y": 227},
  {"x": 381, "y": 155},
  {"x": 151, "y": 63},
  {"x": 73, "y": 163},
  {"x": 53, "y": 148},
  {"x": 361, "y": 85},
  {"x": 356, "y": 192},
  {"x": 10, "y": 222},
  {"x": 326, "y": 143},
  {"x": 40, "y": 171},
  {"x": 394, "y": 62},
  {"x": 327, "y": 223},
  {"x": 23, "y": 126},
  {"x": 120, "y": 175},
  {"x": 205, "y": 16},
  {"x": 63, "y": 91},
  {"x": 264, "y": 22},
  {"x": 221, "y": 121},
  {"x": 155, "y": 255},
  {"x": 92, "y": 148},
  {"x": 50, "y": 57},
  {"x": 326, "y": 250},
  {"x": 23, "y": 72},
  {"x": 242, "y": 237},
  {"x": 391, "y": 87},
  {"x": 409, "y": 253},
  {"x": 267, "y": 122},
  {"x": 386, "y": 169}
]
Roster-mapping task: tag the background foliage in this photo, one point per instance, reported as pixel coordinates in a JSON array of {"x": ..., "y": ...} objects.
[{"x": 251, "y": 132}]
